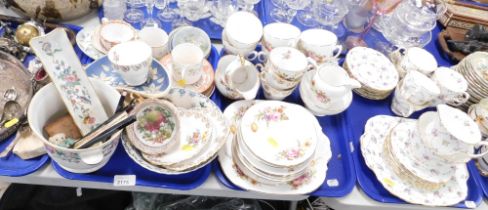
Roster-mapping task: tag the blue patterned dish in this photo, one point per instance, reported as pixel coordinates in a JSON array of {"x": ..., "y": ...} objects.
[{"x": 157, "y": 85}]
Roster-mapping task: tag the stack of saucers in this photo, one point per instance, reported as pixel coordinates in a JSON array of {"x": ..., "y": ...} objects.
[
  {"x": 177, "y": 135},
  {"x": 474, "y": 68},
  {"x": 422, "y": 161},
  {"x": 479, "y": 113},
  {"x": 376, "y": 73},
  {"x": 278, "y": 148}
]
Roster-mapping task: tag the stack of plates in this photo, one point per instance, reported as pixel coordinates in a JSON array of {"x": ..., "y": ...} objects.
[
  {"x": 479, "y": 113},
  {"x": 376, "y": 73},
  {"x": 474, "y": 68},
  {"x": 277, "y": 148},
  {"x": 393, "y": 149},
  {"x": 200, "y": 130}
]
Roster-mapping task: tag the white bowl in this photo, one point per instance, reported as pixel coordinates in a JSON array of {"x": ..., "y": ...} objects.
[{"x": 47, "y": 103}]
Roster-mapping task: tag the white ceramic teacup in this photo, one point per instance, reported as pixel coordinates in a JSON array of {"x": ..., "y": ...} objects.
[
  {"x": 451, "y": 134},
  {"x": 289, "y": 63},
  {"x": 187, "y": 63},
  {"x": 231, "y": 49},
  {"x": 271, "y": 93},
  {"x": 113, "y": 32},
  {"x": 243, "y": 29},
  {"x": 156, "y": 38},
  {"x": 414, "y": 59},
  {"x": 418, "y": 89},
  {"x": 319, "y": 44},
  {"x": 280, "y": 35},
  {"x": 132, "y": 60},
  {"x": 242, "y": 76},
  {"x": 453, "y": 86}
]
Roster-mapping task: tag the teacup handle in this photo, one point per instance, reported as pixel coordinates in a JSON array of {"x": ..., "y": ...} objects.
[
  {"x": 312, "y": 64},
  {"x": 480, "y": 144},
  {"x": 260, "y": 56},
  {"x": 461, "y": 99},
  {"x": 338, "y": 49}
]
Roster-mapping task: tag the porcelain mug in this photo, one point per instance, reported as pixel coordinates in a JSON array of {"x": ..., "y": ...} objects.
[
  {"x": 132, "y": 60},
  {"x": 442, "y": 141},
  {"x": 280, "y": 35},
  {"x": 418, "y": 89},
  {"x": 319, "y": 44},
  {"x": 113, "y": 32},
  {"x": 156, "y": 38},
  {"x": 413, "y": 59},
  {"x": 187, "y": 63},
  {"x": 453, "y": 86}
]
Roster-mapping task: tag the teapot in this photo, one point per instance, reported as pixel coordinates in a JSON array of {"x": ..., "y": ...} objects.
[{"x": 328, "y": 89}]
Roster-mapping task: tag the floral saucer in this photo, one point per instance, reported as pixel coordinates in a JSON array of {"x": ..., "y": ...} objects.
[
  {"x": 312, "y": 179},
  {"x": 96, "y": 40},
  {"x": 157, "y": 127},
  {"x": 202, "y": 85},
  {"x": 279, "y": 133},
  {"x": 372, "y": 145},
  {"x": 372, "y": 69},
  {"x": 186, "y": 99},
  {"x": 84, "y": 40},
  {"x": 157, "y": 85},
  {"x": 413, "y": 155},
  {"x": 194, "y": 136}
]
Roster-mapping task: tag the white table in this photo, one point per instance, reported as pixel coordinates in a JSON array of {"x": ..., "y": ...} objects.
[{"x": 356, "y": 200}]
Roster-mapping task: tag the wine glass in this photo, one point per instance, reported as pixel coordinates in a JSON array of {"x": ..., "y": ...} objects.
[
  {"x": 282, "y": 12},
  {"x": 165, "y": 13},
  {"x": 329, "y": 13},
  {"x": 357, "y": 16},
  {"x": 221, "y": 10},
  {"x": 247, "y": 5},
  {"x": 150, "y": 21},
  {"x": 134, "y": 15},
  {"x": 193, "y": 10},
  {"x": 305, "y": 16},
  {"x": 380, "y": 8}
]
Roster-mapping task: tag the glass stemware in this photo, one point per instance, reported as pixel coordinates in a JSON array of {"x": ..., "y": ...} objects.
[
  {"x": 221, "y": 10},
  {"x": 165, "y": 13},
  {"x": 134, "y": 15},
  {"x": 305, "y": 16},
  {"x": 357, "y": 16},
  {"x": 193, "y": 10},
  {"x": 329, "y": 13},
  {"x": 380, "y": 8},
  {"x": 150, "y": 21},
  {"x": 282, "y": 12},
  {"x": 247, "y": 5}
]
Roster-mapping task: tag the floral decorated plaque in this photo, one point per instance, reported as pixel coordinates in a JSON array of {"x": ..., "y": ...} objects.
[{"x": 63, "y": 66}]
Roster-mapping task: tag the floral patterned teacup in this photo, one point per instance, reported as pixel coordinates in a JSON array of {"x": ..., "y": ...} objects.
[
  {"x": 187, "y": 63},
  {"x": 453, "y": 86},
  {"x": 113, "y": 32},
  {"x": 280, "y": 35},
  {"x": 321, "y": 45},
  {"x": 418, "y": 89},
  {"x": 132, "y": 60},
  {"x": 451, "y": 134},
  {"x": 413, "y": 59},
  {"x": 289, "y": 63}
]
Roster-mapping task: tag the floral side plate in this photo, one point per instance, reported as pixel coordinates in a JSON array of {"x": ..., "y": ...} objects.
[
  {"x": 157, "y": 85},
  {"x": 185, "y": 99},
  {"x": 413, "y": 155},
  {"x": 157, "y": 127},
  {"x": 64, "y": 68},
  {"x": 279, "y": 133},
  {"x": 372, "y": 68},
  {"x": 376, "y": 131},
  {"x": 194, "y": 136},
  {"x": 205, "y": 82},
  {"x": 84, "y": 41},
  {"x": 312, "y": 179}
]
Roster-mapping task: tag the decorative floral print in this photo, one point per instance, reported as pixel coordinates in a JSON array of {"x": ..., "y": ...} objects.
[
  {"x": 319, "y": 94},
  {"x": 196, "y": 138},
  {"x": 77, "y": 94},
  {"x": 301, "y": 180},
  {"x": 272, "y": 114},
  {"x": 155, "y": 124}
]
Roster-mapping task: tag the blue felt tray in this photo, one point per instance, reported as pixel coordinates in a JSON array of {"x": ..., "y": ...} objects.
[
  {"x": 340, "y": 166},
  {"x": 481, "y": 180},
  {"x": 362, "y": 109},
  {"x": 121, "y": 164},
  {"x": 213, "y": 30}
]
